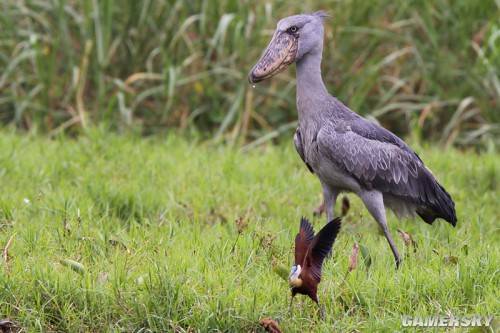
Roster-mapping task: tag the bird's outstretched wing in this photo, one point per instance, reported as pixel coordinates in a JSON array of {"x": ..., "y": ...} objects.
[
  {"x": 303, "y": 241},
  {"x": 321, "y": 246}
]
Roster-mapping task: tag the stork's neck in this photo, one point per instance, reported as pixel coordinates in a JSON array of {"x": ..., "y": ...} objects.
[{"x": 310, "y": 87}]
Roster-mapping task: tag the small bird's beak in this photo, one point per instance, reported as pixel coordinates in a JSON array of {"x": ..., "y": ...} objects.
[{"x": 280, "y": 53}]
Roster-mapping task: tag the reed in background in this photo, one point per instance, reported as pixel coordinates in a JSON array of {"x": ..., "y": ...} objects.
[{"x": 429, "y": 68}]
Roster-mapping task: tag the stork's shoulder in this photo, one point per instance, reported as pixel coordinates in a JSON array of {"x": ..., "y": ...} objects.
[
  {"x": 364, "y": 127},
  {"x": 373, "y": 131}
]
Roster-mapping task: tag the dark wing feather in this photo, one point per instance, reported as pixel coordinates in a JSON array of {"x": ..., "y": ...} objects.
[
  {"x": 297, "y": 140},
  {"x": 303, "y": 240},
  {"x": 373, "y": 131},
  {"x": 379, "y": 160},
  {"x": 368, "y": 129},
  {"x": 320, "y": 247},
  {"x": 368, "y": 160}
]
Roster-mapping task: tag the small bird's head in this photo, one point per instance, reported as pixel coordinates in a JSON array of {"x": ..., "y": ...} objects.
[
  {"x": 294, "y": 279},
  {"x": 294, "y": 37}
]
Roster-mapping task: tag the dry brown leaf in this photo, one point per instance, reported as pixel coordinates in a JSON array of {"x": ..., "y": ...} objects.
[
  {"x": 478, "y": 37},
  {"x": 408, "y": 240},
  {"x": 267, "y": 239},
  {"x": 270, "y": 325},
  {"x": 450, "y": 260},
  {"x": 5, "y": 253},
  {"x": 241, "y": 224},
  {"x": 353, "y": 259},
  {"x": 406, "y": 237}
]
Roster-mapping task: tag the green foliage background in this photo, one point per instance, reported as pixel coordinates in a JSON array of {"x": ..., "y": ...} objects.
[{"x": 425, "y": 67}]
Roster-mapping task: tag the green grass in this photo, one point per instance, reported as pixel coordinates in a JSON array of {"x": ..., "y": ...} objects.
[
  {"x": 150, "y": 65},
  {"x": 150, "y": 226}
]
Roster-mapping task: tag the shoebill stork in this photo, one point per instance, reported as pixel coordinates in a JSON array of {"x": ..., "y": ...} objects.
[{"x": 345, "y": 151}]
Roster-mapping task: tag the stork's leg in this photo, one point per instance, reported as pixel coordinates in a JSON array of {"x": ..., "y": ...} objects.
[
  {"x": 330, "y": 197},
  {"x": 374, "y": 202}
]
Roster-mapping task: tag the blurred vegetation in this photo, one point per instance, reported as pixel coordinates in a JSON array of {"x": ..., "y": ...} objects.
[{"x": 429, "y": 68}]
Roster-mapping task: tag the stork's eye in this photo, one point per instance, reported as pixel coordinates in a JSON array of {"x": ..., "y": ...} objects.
[{"x": 293, "y": 29}]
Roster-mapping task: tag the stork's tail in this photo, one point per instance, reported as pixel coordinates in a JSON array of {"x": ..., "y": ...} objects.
[{"x": 438, "y": 203}]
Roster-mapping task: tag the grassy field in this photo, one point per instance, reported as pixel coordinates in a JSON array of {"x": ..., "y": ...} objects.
[{"x": 111, "y": 233}]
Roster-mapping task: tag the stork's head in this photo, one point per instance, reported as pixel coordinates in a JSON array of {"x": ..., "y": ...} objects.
[
  {"x": 295, "y": 36},
  {"x": 294, "y": 279}
]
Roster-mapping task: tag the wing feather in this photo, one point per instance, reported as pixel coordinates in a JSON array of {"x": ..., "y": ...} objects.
[
  {"x": 383, "y": 162},
  {"x": 372, "y": 163},
  {"x": 321, "y": 247},
  {"x": 303, "y": 240}
]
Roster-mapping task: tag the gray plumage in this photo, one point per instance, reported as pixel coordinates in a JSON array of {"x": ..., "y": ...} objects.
[{"x": 347, "y": 152}]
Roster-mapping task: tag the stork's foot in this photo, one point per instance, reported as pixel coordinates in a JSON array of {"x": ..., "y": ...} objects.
[
  {"x": 320, "y": 209},
  {"x": 399, "y": 261},
  {"x": 397, "y": 257}
]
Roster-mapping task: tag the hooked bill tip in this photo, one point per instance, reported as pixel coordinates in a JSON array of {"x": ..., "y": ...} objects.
[{"x": 252, "y": 79}]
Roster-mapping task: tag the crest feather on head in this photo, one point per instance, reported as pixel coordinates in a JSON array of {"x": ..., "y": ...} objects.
[{"x": 321, "y": 14}]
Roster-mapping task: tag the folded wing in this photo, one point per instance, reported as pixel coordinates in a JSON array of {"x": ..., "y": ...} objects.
[{"x": 379, "y": 161}]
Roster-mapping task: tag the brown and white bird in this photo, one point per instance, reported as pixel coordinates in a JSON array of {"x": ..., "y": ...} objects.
[{"x": 310, "y": 252}]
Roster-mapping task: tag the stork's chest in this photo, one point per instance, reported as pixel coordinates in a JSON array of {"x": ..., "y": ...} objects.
[
  {"x": 309, "y": 134},
  {"x": 327, "y": 170}
]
